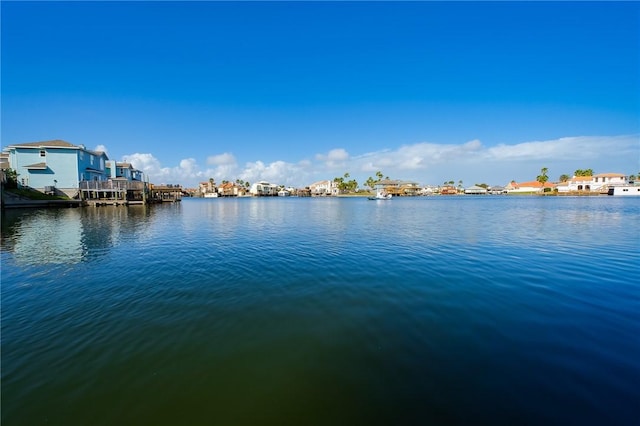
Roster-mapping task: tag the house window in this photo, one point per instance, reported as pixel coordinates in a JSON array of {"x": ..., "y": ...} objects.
[
  {"x": 91, "y": 159},
  {"x": 42, "y": 153}
]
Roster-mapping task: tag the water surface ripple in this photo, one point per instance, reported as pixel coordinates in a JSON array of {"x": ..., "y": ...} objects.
[{"x": 434, "y": 310}]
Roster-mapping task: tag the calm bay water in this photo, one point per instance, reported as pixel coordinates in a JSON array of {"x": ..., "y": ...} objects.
[{"x": 433, "y": 310}]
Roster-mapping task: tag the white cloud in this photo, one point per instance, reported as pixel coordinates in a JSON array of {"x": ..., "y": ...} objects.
[
  {"x": 583, "y": 148},
  {"x": 149, "y": 165},
  {"x": 221, "y": 159},
  {"x": 431, "y": 162},
  {"x": 418, "y": 156},
  {"x": 187, "y": 169},
  {"x": 188, "y": 173},
  {"x": 144, "y": 162},
  {"x": 338, "y": 155},
  {"x": 424, "y": 162},
  {"x": 336, "y": 158},
  {"x": 188, "y": 166},
  {"x": 279, "y": 172},
  {"x": 101, "y": 148}
]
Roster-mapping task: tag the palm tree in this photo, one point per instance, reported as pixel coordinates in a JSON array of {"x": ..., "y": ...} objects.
[
  {"x": 370, "y": 182},
  {"x": 564, "y": 178},
  {"x": 586, "y": 172},
  {"x": 542, "y": 177},
  {"x": 340, "y": 183}
]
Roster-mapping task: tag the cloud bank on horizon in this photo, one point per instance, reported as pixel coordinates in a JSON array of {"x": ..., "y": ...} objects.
[{"x": 427, "y": 163}]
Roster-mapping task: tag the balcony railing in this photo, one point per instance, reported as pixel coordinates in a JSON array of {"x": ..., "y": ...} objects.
[{"x": 115, "y": 185}]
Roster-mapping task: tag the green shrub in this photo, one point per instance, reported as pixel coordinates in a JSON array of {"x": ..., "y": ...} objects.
[{"x": 12, "y": 179}]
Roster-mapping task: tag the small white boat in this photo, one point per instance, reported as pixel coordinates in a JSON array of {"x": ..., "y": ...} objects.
[
  {"x": 381, "y": 195},
  {"x": 625, "y": 190},
  {"x": 211, "y": 195}
]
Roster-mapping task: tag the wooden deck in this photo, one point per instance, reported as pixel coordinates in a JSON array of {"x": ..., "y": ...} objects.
[
  {"x": 107, "y": 202},
  {"x": 125, "y": 193}
]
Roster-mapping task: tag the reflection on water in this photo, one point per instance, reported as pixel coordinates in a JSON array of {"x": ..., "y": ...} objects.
[
  {"x": 68, "y": 236},
  {"x": 45, "y": 236}
]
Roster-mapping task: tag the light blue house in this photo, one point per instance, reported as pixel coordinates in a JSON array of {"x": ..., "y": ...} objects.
[
  {"x": 122, "y": 171},
  {"x": 56, "y": 165}
]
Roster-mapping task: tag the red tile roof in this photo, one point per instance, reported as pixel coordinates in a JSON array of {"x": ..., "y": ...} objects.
[{"x": 533, "y": 184}]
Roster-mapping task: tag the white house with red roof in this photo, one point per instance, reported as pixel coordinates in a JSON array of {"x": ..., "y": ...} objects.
[
  {"x": 593, "y": 183},
  {"x": 514, "y": 187}
]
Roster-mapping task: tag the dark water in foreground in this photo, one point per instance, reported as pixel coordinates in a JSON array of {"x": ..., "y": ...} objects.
[{"x": 463, "y": 310}]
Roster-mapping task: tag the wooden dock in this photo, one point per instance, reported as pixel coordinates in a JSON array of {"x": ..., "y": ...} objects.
[
  {"x": 126, "y": 193},
  {"x": 106, "y": 202},
  {"x": 165, "y": 193}
]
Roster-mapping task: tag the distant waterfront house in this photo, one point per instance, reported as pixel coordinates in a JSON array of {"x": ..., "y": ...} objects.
[
  {"x": 448, "y": 190},
  {"x": 428, "y": 190},
  {"x": 514, "y": 187},
  {"x": 389, "y": 186},
  {"x": 303, "y": 192},
  {"x": 609, "y": 179},
  {"x": 124, "y": 171},
  {"x": 592, "y": 183},
  {"x": 408, "y": 188},
  {"x": 324, "y": 187},
  {"x": 496, "y": 190},
  {"x": 56, "y": 165},
  {"x": 208, "y": 187},
  {"x": 475, "y": 190},
  {"x": 576, "y": 183},
  {"x": 263, "y": 189},
  {"x": 231, "y": 189}
]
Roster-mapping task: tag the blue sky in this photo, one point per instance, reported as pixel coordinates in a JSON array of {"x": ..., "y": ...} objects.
[{"x": 296, "y": 92}]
